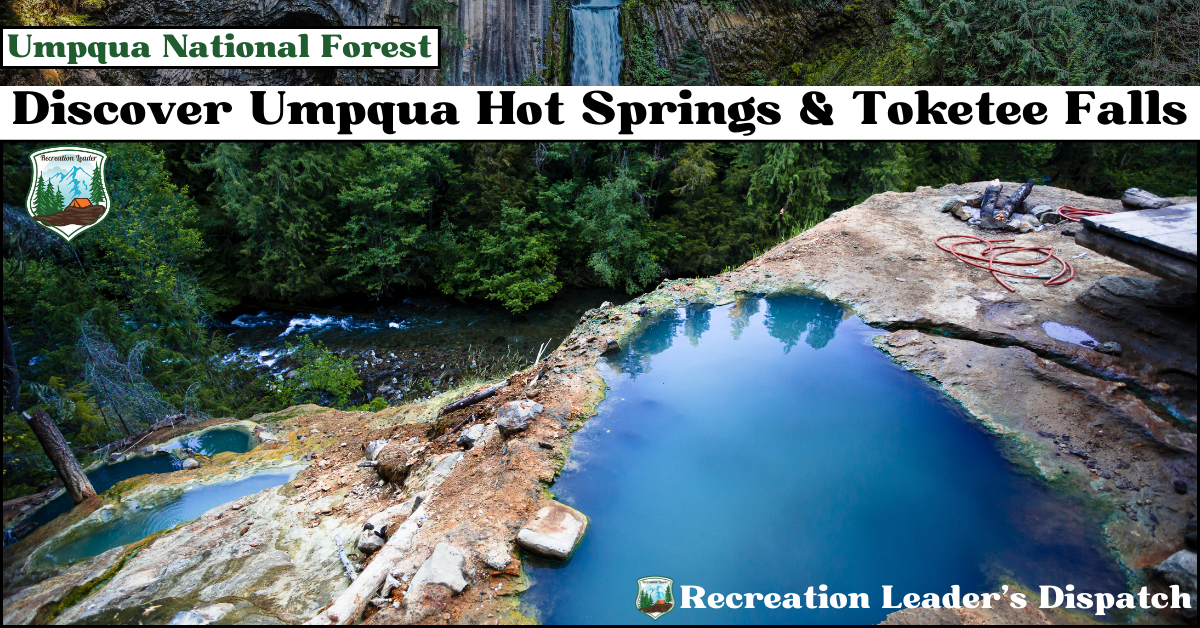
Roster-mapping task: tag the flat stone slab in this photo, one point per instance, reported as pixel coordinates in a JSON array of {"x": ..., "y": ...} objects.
[
  {"x": 1168, "y": 229},
  {"x": 553, "y": 531}
]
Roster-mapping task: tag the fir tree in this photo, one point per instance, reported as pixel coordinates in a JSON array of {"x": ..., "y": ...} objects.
[
  {"x": 39, "y": 194},
  {"x": 97, "y": 197},
  {"x": 58, "y": 201},
  {"x": 691, "y": 68}
]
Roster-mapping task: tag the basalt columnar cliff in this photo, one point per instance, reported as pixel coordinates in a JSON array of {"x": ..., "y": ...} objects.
[{"x": 509, "y": 42}]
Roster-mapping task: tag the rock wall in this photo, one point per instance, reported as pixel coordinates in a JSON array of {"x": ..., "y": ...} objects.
[
  {"x": 759, "y": 39},
  {"x": 488, "y": 42}
]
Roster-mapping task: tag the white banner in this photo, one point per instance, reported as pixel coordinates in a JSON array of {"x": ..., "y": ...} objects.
[
  {"x": 183, "y": 47},
  {"x": 600, "y": 113}
]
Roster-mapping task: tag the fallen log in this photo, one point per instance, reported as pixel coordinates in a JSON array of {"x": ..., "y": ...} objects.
[
  {"x": 1138, "y": 198},
  {"x": 348, "y": 606},
  {"x": 337, "y": 538},
  {"x": 473, "y": 398},
  {"x": 991, "y": 195},
  {"x": 1012, "y": 204}
]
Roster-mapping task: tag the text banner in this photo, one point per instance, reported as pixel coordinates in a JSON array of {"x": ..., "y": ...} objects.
[
  {"x": 600, "y": 113},
  {"x": 182, "y": 47}
]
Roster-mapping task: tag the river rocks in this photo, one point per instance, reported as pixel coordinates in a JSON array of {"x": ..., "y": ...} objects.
[
  {"x": 553, "y": 531},
  {"x": 470, "y": 436},
  {"x": 443, "y": 568},
  {"x": 514, "y": 416},
  {"x": 201, "y": 616},
  {"x": 190, "y": 463}
]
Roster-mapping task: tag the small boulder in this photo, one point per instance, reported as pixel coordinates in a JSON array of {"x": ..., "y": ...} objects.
[
  {"x": 148, "y": 450},
  {"x": 965, "y": 212},
  {"x": 470, "y": 436},
  {"x": 514, "y": 416},
  {"x": 495, "y": 556},
  {"x": 115, "y": 457},
  {"x": 1179, "y": 569},
  {"x": 370, "y": 541},
  {"x": 1110, "y": 348},
  {"x": 553, "y": 531},
  {"x": 443, "y": 568},
  {"x": 374, "y": 447},
  {"x": 266, "y": 437},
  {"x": 190, "y": 463},
  {"x": 953, "y": 203}
]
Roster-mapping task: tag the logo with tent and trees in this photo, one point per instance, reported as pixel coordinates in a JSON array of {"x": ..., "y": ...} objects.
[
  {"x": 68, "y": 193},
  {"x": 654, "y": 596}
]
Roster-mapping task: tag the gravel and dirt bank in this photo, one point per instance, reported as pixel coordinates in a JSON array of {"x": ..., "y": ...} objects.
[{"x": 1117, "y": 429}]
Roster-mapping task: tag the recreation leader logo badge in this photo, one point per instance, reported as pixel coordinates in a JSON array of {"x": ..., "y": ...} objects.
[
  {"x": 654, "y": 596},
  {"x": 68, "y": 194}
]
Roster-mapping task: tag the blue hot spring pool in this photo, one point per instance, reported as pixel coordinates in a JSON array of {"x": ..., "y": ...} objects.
[
  {"x": 106, "y": 476},
  {"x": 766, "y": 446}
]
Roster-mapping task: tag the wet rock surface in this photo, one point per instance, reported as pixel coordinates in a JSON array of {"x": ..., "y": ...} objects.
[
  {"x": 553, "y": 532},
  {"x": 1117, "y": 430}
]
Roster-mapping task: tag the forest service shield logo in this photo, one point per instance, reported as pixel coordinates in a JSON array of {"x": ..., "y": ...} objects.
[
  {"x": 68, "y": 193},
  {"x": 654, "y": 596}
]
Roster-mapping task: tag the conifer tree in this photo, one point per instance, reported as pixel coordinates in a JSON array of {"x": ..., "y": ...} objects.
[
  {"x": 39, "y": 194},
  {"x": 97, "y": 196},
  {"x": 691, "y": 68},
  {"x": 58, "y": 201}
]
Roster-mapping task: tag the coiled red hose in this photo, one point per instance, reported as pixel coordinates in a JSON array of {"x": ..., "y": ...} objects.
[
  {"x": 990, "y": 252},
  {"x": 1077, "y": 214}
]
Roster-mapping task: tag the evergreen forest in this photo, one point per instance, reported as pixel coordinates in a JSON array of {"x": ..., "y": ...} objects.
[{"x": 113, "y": 330}]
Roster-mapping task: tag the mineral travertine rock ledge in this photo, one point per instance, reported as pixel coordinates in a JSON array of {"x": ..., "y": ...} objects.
[{"x": 1129, "y": 419}]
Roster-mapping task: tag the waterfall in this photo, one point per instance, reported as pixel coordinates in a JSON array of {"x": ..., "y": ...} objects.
[{"x": 597, "y": 42}]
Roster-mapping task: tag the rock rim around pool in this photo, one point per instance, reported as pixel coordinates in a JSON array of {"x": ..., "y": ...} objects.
[{"x": 553, "y": 531}]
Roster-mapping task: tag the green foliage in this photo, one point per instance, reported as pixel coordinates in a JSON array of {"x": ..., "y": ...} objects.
[
  {"x": 1043, "y": 42},
  {"x": 381, "y": 244},
  {"x": 321, "y": 377},
  {"x": 375, "y": 405},
  {"x": 98, "y": 194},
  {"x": 641, "y": 60},
  {"x": 691, "y": 68}
]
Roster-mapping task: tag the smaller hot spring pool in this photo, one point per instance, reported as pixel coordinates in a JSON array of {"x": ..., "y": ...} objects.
[
  {"x": 142, "y": 521},
  {"x": 106, "y": 476}
]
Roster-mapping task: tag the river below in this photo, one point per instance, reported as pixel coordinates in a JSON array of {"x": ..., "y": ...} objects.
[
  {"x": 766, "y": 446},
  {"x": 417, "y": 346}
]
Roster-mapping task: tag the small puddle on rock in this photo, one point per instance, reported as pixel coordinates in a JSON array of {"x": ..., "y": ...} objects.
[
  {"x": 767, "y": 447},
  {"x": 106, "y": 476},
  {"x": 1068, "y": 333},
  {"x": 142, "y": 521}
]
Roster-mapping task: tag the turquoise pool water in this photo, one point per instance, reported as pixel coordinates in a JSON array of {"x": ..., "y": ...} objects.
[
  {"x": 144, "y": 521},
  {"x": 106, "y": 476},
  {"x": 767, "y": 447}
]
